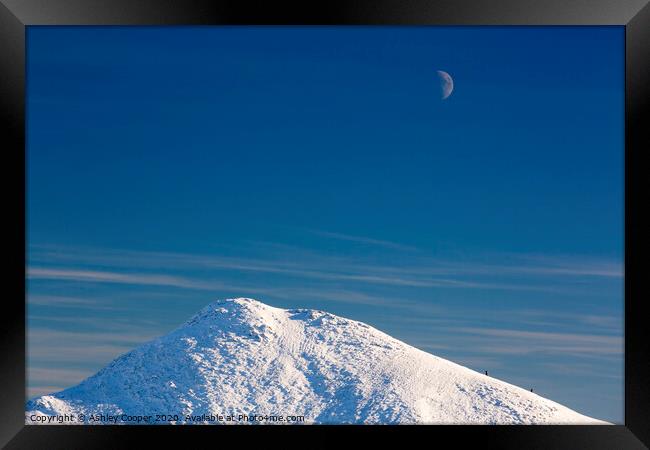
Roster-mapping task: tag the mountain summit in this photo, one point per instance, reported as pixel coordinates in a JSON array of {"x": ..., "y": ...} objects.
[{"x": 241, "y": 361}]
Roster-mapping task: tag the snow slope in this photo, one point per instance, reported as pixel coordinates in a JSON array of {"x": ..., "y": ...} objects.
[{"x": 240, "y": 356}]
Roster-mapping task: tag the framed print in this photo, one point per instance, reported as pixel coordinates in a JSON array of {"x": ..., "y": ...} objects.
[{"x": 363, "y": 218}]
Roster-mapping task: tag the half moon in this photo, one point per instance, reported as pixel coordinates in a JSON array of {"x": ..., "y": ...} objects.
[{"x": 446, "y": 84}]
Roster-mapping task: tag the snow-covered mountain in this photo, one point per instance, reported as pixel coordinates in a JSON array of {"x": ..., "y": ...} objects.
[{"x": 241, "y": 361}]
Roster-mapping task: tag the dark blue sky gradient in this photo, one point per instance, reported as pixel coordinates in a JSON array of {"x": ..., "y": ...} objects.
[{"x": 319, "y": 167}]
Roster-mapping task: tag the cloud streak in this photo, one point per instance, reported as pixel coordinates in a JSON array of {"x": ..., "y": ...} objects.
[
  {"x": 363, "y": 240},
  {"x": 68, "y": 302},
  {"x": 113, "y": 277},
  {"x": 509, "y": 341},
  {"x": 95, "y": 276},
  {"x": 422, "y": 272}
]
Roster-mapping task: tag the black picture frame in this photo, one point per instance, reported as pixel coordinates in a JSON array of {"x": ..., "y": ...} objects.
[{"x": 634, "y": 15}]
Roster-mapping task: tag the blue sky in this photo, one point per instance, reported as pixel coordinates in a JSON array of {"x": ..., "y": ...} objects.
[{"x": 319, "y": 167}]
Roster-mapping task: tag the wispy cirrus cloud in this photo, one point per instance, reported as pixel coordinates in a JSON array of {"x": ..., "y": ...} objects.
[
  {"x": 326, "y": 293},
  {"x": 122, "y": 334},
  {"x": 148, "y": 279},
  {"x": 611, "y": 321},
  {"x": 416, "y": 272},
  {"x": 582, "y": 369},
  {"x": 68, "y": 302},
  {"x": 511, "y": 341},
  {"x": 113, "y": 277},
  {"x": 299, "y": 261},
  {"x": 47, "y": 380},
  {"x": 55, "y": 376},
  {"x": 363, "y": 240}
]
